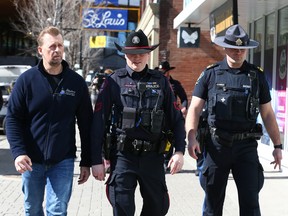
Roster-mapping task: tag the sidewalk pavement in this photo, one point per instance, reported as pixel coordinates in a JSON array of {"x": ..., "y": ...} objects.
[{"x": 186, "y": 195}]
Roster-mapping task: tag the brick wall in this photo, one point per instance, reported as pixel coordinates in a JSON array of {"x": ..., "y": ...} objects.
[{"x": 189, "y": 62}]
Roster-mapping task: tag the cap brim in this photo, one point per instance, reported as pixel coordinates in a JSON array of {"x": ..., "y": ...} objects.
[
  {"x": 220, "y": 42},
  {"x": 135, "y": 50}
]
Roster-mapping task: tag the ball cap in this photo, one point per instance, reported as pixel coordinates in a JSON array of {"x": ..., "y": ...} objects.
[
  {"x": 236, "y": 38},
  {"x": 136, "y": 43}
]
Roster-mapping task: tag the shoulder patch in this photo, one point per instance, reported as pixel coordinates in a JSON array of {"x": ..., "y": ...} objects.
[
  {"x": 257, "y": 68},
  {"x": 201, "y": 75}
]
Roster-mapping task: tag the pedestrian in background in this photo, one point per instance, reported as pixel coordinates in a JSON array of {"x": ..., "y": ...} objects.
[
  {"x": 133, "y": 104},
  {"x": 236, "y": 92},
  {"x": 42, "y": 111},
  {"x": 97, "y": 83},
  {"x": 177, "y": 87},
  {"x": 179, "y": 93}
]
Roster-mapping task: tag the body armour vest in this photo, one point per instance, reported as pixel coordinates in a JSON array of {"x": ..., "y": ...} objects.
[
  {"x": 233, "y": 103},
  {"x": 143, "y": 104}
]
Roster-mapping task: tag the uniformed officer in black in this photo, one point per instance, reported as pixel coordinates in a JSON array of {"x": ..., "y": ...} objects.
[
  {"x": 178, "y": 89},
  {"x": 133, "y": 106},
  {"x": 236, "y": 91},
  {"x": 179, "y": 92}
]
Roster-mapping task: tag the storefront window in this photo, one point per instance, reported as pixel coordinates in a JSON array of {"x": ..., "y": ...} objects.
[
  {"x": 268, "y": 61},
  {"x": 269, "y": 45},
  {"x": 281, "y": 70},
  {"x": 258, "y": 35}
]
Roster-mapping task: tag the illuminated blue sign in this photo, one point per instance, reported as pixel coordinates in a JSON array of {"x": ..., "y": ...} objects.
[
  {"x": 106, "y": 19},
  {"x": 114, "y": 2}
]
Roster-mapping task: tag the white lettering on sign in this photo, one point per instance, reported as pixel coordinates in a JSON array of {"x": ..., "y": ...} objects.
[{"x": 92, "y": 19}]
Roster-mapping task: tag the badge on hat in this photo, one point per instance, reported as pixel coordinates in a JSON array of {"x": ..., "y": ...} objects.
[{"x": 136, "y": 43}]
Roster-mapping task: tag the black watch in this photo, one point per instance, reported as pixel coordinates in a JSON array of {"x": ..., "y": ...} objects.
[{"x": 280, "y": 146}]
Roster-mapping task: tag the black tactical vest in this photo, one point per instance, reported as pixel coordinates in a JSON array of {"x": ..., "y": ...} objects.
[
  {"x": 234, "y": 103},
  {"x": 146, "y": 99}
]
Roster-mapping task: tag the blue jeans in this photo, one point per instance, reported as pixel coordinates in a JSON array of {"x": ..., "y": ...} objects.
[{"x": 57, "y": 178}]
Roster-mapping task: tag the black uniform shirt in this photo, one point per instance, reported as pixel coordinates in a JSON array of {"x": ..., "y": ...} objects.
[
  {"x": 205, "y": 89},
  {"x": 124, "y": 82},
  {"x": 205, "y": 82}
]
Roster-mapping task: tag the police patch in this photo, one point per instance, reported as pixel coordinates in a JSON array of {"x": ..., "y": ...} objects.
[
  {"x": 130, "y": 85},
  {"x": 201, "y": 75},
  {"x": 152, "y": 85}
]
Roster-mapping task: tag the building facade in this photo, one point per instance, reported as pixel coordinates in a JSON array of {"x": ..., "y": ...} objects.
[{"x": 265, "y": 21}]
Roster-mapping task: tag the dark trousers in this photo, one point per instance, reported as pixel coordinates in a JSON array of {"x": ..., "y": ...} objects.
[
  {"x": 242, "y": 159},
  {"x": 128, "y": 170}
]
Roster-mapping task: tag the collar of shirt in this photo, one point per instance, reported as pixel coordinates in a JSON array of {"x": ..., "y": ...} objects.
[{"x": 224, "y": 66}]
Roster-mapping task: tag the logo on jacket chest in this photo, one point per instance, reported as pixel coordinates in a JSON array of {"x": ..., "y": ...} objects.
[{"x": 67, "y": 92}]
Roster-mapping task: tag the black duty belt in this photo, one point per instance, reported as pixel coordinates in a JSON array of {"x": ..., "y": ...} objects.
[
  {"x": 227, "y": 138},
  {"x": 235, "y": 136},
  {"x": 136, "y": 146},
  {"x": 243, "y": 136}
]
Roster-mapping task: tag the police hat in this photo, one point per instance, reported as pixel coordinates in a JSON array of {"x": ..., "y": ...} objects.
[
  {"x": 236, "y": 38},
  {"x": 136, "y": 43},
  {"x": 165, "y": 66}
]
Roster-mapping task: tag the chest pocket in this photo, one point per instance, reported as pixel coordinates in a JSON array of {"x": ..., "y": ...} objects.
[
  {"x": 231, "y": 91},
  {"x": 230, "y": 107},
  {"x": 130, "y": 97},
  {"x": 152, "y": 98}
]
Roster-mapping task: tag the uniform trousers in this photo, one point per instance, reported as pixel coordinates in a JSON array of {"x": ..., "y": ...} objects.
[
  {"x": 128, "y": 170},
  {"x": 242, "y": 160}
]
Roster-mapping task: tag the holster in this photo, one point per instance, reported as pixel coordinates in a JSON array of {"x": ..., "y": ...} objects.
[{"x": 222, "y": 137}]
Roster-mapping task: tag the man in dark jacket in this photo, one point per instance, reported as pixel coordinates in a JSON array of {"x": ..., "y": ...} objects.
[
  {"x": 133, "y": 104},
  {"x": 43, "y": 108}
]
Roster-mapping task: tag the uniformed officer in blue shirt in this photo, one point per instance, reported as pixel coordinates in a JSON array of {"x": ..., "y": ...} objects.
[
  {"x": 236, "y": 92},
  {"x": 135, "y": 105}
]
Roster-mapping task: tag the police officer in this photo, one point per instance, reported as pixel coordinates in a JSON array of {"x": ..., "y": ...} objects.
[
  {"x": 236, "y": 91},
  {"x": 134, "y": 105},
  {"x": 178, "y": 89},
  {"x": 180, "y": 93}
]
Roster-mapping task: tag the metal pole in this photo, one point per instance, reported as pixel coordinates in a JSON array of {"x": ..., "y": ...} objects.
[{"x": 80, "y": 51}]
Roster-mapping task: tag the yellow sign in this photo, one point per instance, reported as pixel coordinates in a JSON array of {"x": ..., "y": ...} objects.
[
  {"x": 103, "y": 42},
  {"x": 98, "y": 42}
]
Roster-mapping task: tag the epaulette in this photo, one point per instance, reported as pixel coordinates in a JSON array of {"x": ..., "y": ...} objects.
[
  {"x": 212, "y": 66},
  {"x": 257, "y": 68},
  {"x": 260, "y": 69}
]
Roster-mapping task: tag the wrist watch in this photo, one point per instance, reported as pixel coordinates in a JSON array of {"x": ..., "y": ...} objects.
[{"x": 280, "y": 146}]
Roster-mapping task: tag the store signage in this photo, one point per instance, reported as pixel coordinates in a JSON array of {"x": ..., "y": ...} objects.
[
  {"x": 114, "y": 2},
  {"x": 104, "y": 18},
  {"x": 103, "y": 42},
  {"x": 188, "y": 37},
  {"x": 222, "y": 18}
]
